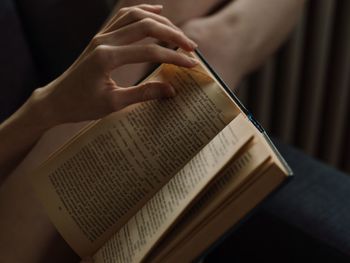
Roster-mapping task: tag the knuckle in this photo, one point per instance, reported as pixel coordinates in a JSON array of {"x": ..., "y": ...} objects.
[
  {"x": 149, "y": 26},
  {"x": 96, "y": 41},
  {"x": 135, "y": 13},
  {"x": 123, "y": 10},
  {"x": 148, "y": 22},
  {"x": 99, "y": 54},
  {"x": 166, "y": 20}
]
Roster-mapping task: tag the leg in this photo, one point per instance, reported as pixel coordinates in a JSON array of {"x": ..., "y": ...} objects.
[
  {"x": 317, "y": 201},
  {"x": 243, "y": 34},
  {"x": 308, "y": 218},
  {"x": 27, "y": 234}
]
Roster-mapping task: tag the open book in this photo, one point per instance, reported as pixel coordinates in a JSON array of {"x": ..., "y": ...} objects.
[{"x": 162, "y": 180}]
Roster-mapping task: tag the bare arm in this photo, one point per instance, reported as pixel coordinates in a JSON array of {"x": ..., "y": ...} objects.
[
  {"x": 236, "y": 39},
  {"x": 17, "y": 136},
  {"x": 86, "y": 91},
  {"x": 242, "y": 35},
  {"x": 179, "y": 11}
]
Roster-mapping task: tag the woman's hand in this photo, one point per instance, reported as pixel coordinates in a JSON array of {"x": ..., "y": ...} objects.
[{"x": 86, "y": 90}]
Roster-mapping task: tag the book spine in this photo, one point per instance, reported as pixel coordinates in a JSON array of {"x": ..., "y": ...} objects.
[
  {"x": 255, "y": 122},
  {"x": 231, "y": 93}
]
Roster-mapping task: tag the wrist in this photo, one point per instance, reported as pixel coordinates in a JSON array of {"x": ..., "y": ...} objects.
[{"x": 38, "y": 111}]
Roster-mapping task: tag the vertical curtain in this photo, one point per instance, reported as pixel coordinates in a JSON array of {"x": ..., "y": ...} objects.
[{"x": 302, "y": 93}]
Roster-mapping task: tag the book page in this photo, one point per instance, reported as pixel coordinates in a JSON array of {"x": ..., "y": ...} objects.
[
  {"x": 93, "y": 185},
  {"x": 238, "y": 175},
  {"x": 230, "y": 214},
  {"x": 140, "y": 234}
]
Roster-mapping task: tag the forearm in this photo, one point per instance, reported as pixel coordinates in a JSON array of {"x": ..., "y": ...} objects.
[
  {"x": 20, "y": 132},
  {"x": 179, "y": 11},
  {"x": 258, "y": 28}
]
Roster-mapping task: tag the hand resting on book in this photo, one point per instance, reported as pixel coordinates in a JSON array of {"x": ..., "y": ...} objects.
[{"x": 86, "y": 90}]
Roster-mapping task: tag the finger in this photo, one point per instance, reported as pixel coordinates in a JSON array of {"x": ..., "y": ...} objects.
[
  {"x": 148, "y": 28},
  {"x": 155, "y": 9},
  {"x": 110, "y": 57},
  {"x": 147, "y": 91},
  {"x": 136, "y": 14},
  {"x": 147, "y": 7}
]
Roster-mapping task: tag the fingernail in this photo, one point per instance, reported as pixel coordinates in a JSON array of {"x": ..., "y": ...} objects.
[
  {"x": 158, "y": 6},
  {"x": 193, "y": 61},
  {"x": 172, "y": 91},
  {"x": 193, "y": 44}
]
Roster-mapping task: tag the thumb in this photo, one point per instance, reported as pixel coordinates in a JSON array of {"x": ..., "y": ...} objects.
[{"x": 144, "y": 92}]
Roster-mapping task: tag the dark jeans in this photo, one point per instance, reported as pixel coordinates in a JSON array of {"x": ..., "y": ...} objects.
[{"x": 308, "y": 218}]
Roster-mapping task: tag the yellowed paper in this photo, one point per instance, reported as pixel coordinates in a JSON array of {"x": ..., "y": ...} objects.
[
  {"x": 230, "y": 214},
  {"x": 92, "y": 186},
  {"x": 140, "y": 234},
  {"x": 226, "y": 187}
]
